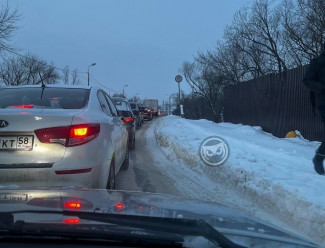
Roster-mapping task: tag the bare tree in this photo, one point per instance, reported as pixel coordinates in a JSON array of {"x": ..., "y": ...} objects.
[
  {"x": 304, "y": 28},
  {"x": 27, "y": 70},
  {"x": 8, "y": 20},
  {"x": 207, "y": 82},
  {"x": 65, "y": 74},
  {"x": 75, "y": 77}
]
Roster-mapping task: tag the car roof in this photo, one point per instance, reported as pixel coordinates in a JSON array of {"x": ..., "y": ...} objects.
[{"x": 119, "y": 99}]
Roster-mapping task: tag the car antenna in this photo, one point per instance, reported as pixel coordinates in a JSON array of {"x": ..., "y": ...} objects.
[{"x": 43, "y": 85}]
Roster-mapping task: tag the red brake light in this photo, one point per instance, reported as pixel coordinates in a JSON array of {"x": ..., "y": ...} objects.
[
  {"x": 119, "y": 206},
  {"x": 78, "y": 132},
  {"x": 69, "y": 135},
  {"x": 128, "y": 119},
  {"x": 23, "y": 106},
  {"x": 72, "y": 205},
  {"x": 71, "y": 220},
  {"x": 149, "y": 110}
]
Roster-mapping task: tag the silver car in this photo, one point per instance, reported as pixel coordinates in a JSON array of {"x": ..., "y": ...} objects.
[{"x": 60, "y": 136}]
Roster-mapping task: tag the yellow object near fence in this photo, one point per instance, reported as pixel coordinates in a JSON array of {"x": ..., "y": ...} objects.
[{"x": 291, "y": 134}]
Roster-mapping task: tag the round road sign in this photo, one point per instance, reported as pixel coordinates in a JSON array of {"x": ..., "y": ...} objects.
[{"x": 178, "y": 78}]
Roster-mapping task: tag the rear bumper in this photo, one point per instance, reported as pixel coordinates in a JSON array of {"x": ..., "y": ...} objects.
[
  {"x": 81, "y": 167},
  {"x": 44, "y": 177},
  {"x": 147, "y": 117}
]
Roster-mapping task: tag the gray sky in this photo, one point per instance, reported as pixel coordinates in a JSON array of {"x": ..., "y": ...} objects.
[{"x": 141, "y": 43}]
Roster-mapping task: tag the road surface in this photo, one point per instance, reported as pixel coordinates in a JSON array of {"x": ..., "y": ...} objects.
[{"x": 142, "y": 175}]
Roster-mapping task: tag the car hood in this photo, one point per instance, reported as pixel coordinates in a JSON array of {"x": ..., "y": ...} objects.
[{"x": 224, "y": 219}]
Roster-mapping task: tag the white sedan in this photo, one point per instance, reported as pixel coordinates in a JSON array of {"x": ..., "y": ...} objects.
[{"x": 60, "y": 136}]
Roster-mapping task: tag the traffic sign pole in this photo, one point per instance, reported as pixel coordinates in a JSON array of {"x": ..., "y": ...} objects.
[{"x": 178, "y": 80}]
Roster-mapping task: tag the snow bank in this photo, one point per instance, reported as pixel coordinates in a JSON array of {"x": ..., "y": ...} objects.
[{"x": 275, "y": 173}]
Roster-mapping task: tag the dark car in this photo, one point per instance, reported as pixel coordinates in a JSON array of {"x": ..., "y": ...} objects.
[
  {"x": 138, "y": 115},
  {"x": 147, "y": 113},
  {"x": 128, "y": 118},
  {"x": 155, "y": 112}
]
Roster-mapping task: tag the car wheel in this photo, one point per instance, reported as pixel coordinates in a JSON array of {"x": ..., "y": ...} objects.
[
  {"x": 111, "y": 176},
  {"x": 126, "y": 161}
]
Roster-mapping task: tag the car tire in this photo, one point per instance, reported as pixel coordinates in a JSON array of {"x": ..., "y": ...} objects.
[
  {"x": 111, "y": 176},
  {"x": 126, "y": 161}
]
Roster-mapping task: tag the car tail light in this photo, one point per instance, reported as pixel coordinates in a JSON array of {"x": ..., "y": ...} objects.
[
  {"x": 71, "y": 220},
  {"x": 128, "y": 119},
  {"x": 69, "y": 135},
  {"x": 72, "y": 205},
  {"x": 149, "y": 110},
  {"x": 23, "y": 106},
  {"x": 119, "y": 206}
]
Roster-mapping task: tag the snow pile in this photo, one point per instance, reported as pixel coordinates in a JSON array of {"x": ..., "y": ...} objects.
[{"x": 275, "y": 173}]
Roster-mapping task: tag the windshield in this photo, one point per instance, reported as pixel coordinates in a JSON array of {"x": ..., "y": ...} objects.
[
  {"x": 56, "y": 98},
  {"x": 189, "y": 110}
]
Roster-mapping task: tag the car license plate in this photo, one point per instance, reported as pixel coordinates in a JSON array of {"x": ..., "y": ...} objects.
[
  {"x": 13, "y": 197},
  {"x": 24, "y": 143}
]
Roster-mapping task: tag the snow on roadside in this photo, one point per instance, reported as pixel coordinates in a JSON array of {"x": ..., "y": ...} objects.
[{"x": 276, "y": 174}]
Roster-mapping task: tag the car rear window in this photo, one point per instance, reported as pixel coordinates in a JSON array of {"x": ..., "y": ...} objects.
[
  {"x": 55, "y": 98},
  {"x": 120, "y": 105},
  {"x": 125, "y": 113}
]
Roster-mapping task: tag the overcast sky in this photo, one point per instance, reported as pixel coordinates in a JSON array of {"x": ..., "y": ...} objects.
[{"x": 141, "y": 43}]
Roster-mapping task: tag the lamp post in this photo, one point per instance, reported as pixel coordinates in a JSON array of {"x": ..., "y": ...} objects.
[
  {"x": 88, "y": 70},
  {"x": 123, "y": 89}
]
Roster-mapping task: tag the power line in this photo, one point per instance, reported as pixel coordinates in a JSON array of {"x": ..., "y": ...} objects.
[
  {"x": 102, "y": 84},
  {"x": 46, "y": 64}
]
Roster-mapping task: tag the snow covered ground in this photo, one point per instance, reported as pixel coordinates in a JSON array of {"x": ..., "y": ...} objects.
[{"x": 270, "y": 173}]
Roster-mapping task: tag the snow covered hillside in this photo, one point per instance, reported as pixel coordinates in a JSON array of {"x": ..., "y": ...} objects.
[{"x": 275, "y": 173}]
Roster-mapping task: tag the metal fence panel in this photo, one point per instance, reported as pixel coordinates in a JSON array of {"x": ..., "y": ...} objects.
[{"x": 279, "y": 103}]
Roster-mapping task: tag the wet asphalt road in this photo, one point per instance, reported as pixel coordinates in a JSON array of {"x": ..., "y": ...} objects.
[{"x": 141, "y": 174}]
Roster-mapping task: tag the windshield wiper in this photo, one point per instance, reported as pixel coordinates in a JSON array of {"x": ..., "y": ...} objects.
[{"x": 160, "y": 224}]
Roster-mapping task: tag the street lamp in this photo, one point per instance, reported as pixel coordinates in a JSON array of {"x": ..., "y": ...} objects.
[
  {"x": 123, "y": 89},
  {"x": 88, "y": 71}
]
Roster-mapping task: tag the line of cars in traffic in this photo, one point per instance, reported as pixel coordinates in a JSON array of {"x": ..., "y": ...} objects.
[{"x": 54, "y": 135}]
